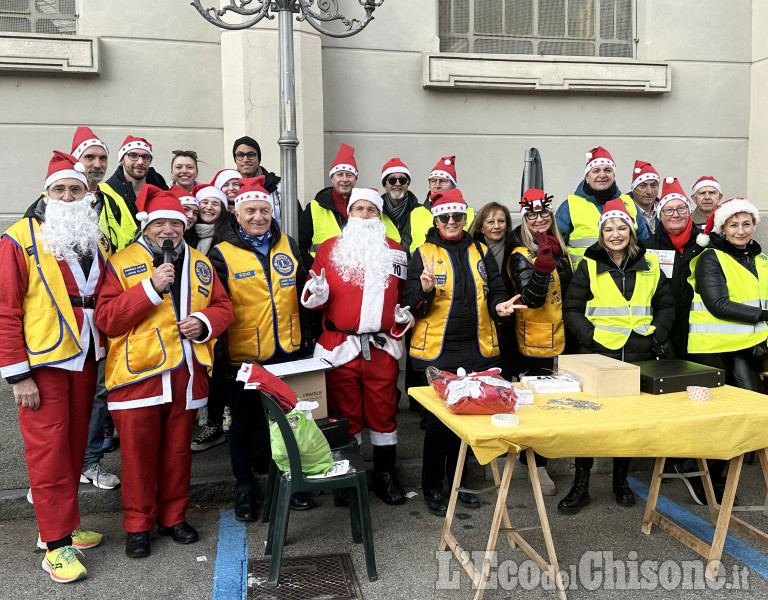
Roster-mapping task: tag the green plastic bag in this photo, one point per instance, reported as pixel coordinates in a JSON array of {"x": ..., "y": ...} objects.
[{"x": 315, "y": 453}]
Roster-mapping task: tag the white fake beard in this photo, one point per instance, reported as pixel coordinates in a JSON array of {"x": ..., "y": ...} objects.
[
  {"x": 70, "y": 229},
  {"x": 361, "y": 253}
]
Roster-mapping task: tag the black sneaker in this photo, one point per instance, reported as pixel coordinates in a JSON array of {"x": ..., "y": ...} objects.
[
  {"x": 210, "y": 436},
  {"x": 694, "y": 485}
]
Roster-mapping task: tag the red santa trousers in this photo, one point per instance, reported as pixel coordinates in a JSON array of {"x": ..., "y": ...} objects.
[
  {"x": 55, "y": 436},
  {"x": 366, "y": 394},
  {"x": 157, "y": 459}
]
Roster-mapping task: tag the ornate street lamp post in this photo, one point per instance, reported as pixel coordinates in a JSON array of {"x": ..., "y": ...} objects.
[{"x": 253, "y": 11}]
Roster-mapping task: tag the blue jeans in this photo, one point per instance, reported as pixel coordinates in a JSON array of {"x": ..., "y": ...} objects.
[{"x": 93, "y": 451}]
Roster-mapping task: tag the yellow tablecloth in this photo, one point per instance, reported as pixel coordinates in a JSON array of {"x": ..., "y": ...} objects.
[{"x": 735, "y": 421}]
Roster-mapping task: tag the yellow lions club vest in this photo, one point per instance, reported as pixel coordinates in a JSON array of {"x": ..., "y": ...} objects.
[
  {"x": 427, "y": 339},
  {"x": 266, "y": 311},
  {"x": 154, "y": 345}
]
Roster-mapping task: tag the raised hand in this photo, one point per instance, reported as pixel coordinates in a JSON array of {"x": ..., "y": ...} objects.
[
  {"x": 428, "y": 275},
  {"x": 504, "y": 309},
  {"x": 403, "y": 315},
  {"x": 163, "y": 277},
  {"x": 545, "y": 261},
  {"x": 318, "y": 281}
]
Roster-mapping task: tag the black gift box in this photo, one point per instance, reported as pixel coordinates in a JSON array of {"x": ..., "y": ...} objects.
[
  {"x": 669, "y": 376},
  {"x": 335, "y": 429}
]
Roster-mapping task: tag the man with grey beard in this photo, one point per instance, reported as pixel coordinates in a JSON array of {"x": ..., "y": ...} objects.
[
  {"x": 93, "y": 154},
  {"x": 399, "y": 201},
  {"x": 51, "y": 270}
]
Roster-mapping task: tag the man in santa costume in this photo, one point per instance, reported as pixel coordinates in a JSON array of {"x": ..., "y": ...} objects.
[
  {"x": 357, "y": 279},
  {"x": 51, "y": 270},
  {"x": 162, "y": 307}
]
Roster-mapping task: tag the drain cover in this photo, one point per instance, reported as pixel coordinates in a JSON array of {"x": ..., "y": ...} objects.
[{"x": 326, "y": 577}]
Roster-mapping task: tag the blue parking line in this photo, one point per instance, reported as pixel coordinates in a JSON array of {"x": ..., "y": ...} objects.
[
  {"x": 230, "y": 579},
  {"x": 705, "y": 530}
]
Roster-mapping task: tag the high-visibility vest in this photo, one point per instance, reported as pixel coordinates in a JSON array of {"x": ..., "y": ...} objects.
[
  {"x": 120, "y": 234},
  {"x": 706, "y": 333},
  {"x": 154, "y": 344},
  {"x": 540, "y": 331},
  {"x": 429, "y": 332},
  {"x": 615, "y": 317},
  {"x": 585, "y": 217},
  {"x": 422, "y": 220},
  {"x": 325, "y": 226},
  {"x": 266, "y": 311},
  {"x": 51, "y": 334}
]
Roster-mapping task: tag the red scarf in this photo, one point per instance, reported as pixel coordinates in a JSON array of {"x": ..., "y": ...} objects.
[
  {"x": 340, "y": 203},
  {"x": 679, "y": 241}
]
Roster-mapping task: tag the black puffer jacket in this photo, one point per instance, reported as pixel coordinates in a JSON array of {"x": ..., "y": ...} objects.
[
  {"x": 460, "y": 345},
  {"x": 638, "y": 347},
  {"x": 682, "y": 291},
  {"x": 712, "y": 286}
]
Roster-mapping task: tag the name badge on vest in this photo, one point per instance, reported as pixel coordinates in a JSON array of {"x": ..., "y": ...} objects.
[
  {"x": 135, "y": 270},
  {"x": 244, "y": 274},
  {"x": 666, "y": 260},
  {"x": 399, "y": 266}
]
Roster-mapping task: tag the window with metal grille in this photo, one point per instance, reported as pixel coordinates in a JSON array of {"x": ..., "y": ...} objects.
[
  {"x": 537, "y": 27},
  {"x": 50, "y": 17}
]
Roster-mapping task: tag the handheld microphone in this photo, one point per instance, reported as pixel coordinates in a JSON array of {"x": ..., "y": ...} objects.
[{"x": 167, "y": 258}]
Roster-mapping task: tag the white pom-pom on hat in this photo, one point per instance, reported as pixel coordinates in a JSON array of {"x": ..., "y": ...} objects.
[
  {"x": 79, "y": 167},
  {"x": 670, "y": 179},
  {"x": 447, "y": 161},
  {"x": 702, "y": 240},
  {"x": 637, "y": 170},
  {"x": 141, "y": 216},
  {"x": 589, "y": 156}
]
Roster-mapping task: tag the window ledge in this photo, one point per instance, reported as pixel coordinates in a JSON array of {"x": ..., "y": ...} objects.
[
  {"x": 544, "y": 73},
  {"x": 57, "y": 53}
]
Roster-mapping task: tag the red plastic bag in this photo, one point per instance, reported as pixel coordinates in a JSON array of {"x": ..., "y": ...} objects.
[{"x": 484, "y": 393}]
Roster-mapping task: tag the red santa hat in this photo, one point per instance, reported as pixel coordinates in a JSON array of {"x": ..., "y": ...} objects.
[
  {"x": 183, "y": 195},
  {"x": 154, "y": 203},
  {"x": 133, "y": 143},
  {"x": 643, "y": 171},
  {"x": 445, "y": 168},
  {"x": 64, "y": 166},
  {"x": 344, "y": 161},
  {"x": 449, "y": 201},
  {"x": 370, "y": 194},
  {"x": 723, "y": 212},
  {"x": 394, "y": 165},
  {"x": 599, "y": 156},
  {"x": 85, "y": 138},
  {"x": 672, "y": 190},
  {"x": 252, "y": 188},
  {"x": 204, "y": 190},
  {"x": 223, "y": 176},
  {"x": 615, "y": 209},
  {"x": 534, "y": 200},
  {"x": 706, "y": 181}
]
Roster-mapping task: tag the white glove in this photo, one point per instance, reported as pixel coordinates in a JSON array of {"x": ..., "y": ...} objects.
[
  {"x": 318, "y": 285},
  {"x": 403, "y": 315}
]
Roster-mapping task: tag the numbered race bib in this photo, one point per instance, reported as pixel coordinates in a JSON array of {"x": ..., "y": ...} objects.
[
  {"x": 666, "y": 260},
  {"x": 399, "y": 266}
]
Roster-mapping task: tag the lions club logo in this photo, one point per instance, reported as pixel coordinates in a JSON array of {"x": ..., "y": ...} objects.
[
  {"x": 481, "y": 269},
  {"x": 282, "y": 263},
  {"x": 203, "y": 272}
]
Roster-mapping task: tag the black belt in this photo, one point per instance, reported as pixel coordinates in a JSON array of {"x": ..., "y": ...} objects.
[
  {"x": 365, "y": 338},
  {"x": 83, "y": 301}
]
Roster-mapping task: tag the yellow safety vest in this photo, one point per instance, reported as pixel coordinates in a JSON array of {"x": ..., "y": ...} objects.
[
  {"x": 266, "y": 311},
  {"x": 540, "y": 331},
  {"x": 154, "y": 344},
  {"x": 325, "y": 226},
  {"x": 428, "y": 333},
  {"x": 51, "y": 334},
  {"x": 585, "y": 217},
  {"x": 120, "y": 234},
  {"x": 421, "y": 221},
  {"x": 612, "y": 315},
  {"x": 708, "y": 334}
]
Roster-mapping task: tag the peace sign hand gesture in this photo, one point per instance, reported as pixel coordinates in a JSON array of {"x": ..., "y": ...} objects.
[
  {"x": 428, "y": 275},
  {"x": 504, "y": 309}
]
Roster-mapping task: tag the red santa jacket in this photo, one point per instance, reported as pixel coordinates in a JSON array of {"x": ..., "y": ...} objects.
[{"x": 369, "y": 309}]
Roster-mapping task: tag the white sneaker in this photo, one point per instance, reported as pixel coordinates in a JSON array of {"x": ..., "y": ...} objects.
[
  {"x": 98, "y": 476},
  {"x": 548, "y": 487}
]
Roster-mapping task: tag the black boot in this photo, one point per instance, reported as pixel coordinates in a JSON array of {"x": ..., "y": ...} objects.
[
  {"x": 385, "y": 484},
  {"x": 579, "y": 494},
  {"x": 624, "y": 495}
]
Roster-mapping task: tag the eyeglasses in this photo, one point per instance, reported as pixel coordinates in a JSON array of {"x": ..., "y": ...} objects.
[
  {"x": 457, "y": 217},
  {"x": 433, "y": 180},
  {"x": 57, "y": 191},
  {"x": 396, "y": 180},
  {"x": 532, "y": 216},
  {"x": 680, "y": 210},
  {"x": 243, "y": 155},
  {"x": 135, "y": 157}
]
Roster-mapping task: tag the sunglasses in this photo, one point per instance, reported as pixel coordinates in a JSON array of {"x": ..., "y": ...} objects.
[
  {"x": 396, "y": 180},
  {"x": 457, "y": 217}
]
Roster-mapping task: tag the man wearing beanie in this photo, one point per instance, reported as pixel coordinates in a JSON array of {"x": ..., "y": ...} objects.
[
  {"x": 247, "y": 154},
  {"x": 578, "y": 216},
  {"x": 52, "y": 266},
  {"x": 162, "y": 307}
]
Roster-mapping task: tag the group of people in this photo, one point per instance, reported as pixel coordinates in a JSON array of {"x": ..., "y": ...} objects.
[{"x": 163, "y": 293}]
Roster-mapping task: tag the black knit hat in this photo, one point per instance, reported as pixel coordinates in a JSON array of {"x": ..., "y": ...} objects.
[{"x": 248, "y": 141}]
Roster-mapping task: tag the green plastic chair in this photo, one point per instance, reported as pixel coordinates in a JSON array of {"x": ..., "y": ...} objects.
[{"x": 294, "y": 481}]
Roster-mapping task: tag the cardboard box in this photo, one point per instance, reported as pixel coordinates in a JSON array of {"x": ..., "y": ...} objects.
[
  {"x": 307, "y": 380},
  {"x": 602, "y": 376}
]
